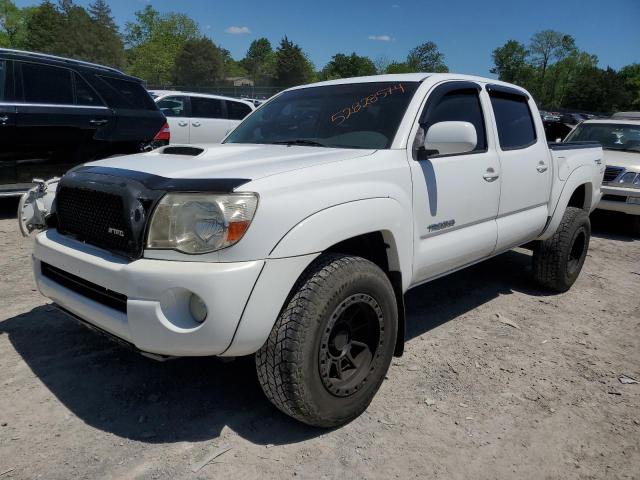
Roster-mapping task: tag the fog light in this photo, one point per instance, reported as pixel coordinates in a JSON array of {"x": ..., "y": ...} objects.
[{"x": 198, "y": 308}]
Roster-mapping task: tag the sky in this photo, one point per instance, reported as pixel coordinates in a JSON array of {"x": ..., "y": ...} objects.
[{"x": 466, "y": 31}]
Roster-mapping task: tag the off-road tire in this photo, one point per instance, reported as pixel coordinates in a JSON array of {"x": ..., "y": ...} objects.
[
  {"x": 558, "y": 260},
  {"x": 288, "y": 364}
]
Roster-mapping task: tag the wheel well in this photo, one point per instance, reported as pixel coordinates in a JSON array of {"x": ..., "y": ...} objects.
[
  {"x": 578, "y": 198},
  {"x": 374, "y": 248}
]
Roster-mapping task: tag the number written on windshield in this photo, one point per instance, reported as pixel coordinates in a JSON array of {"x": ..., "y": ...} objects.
[{"x": 344, "y": 114}]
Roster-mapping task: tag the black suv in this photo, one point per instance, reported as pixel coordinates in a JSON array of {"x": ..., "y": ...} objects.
[{"x": 56, "y": 113}]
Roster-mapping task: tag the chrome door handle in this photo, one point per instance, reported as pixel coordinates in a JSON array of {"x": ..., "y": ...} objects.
[
  {"x": 542, "y": 167},
  {"x": 98, "y": 123},
  {"x": 183, "y": 124},
  {"x": 491, "y": 175},
  {"x": 196, "y": 124}
]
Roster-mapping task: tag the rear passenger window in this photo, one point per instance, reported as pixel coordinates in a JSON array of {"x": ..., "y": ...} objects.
[
  {"x": 128, "y": 94},
  {"x": 237, "y": 110},
  {"x": 514, "y": 121},
  {"x": 459, "y": 106},
  {"x": 85, "y": 95},
  {"x": 47, "y": 84},
  {"x": 202, "y": 107},
  {"x": 173, "y": 106}
]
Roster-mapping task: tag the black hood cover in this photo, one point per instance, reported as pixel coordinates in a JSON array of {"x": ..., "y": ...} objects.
[{"x": 110, "y": 207}]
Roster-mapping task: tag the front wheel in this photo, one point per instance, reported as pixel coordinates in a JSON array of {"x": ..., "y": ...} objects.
[
  {"x": 557, "y": 261},
  {"x": 332, "y": 344}
]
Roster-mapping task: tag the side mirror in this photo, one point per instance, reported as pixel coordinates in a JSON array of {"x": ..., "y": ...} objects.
[{"x": 447, "y": 138}]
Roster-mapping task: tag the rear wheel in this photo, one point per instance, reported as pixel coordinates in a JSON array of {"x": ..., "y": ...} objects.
[
  {"x": 557, "y": 261},
  {"x": 332, "y": 344}
]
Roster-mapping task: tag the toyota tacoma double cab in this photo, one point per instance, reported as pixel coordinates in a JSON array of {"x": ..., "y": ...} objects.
[{"x": 297, "y": 238}]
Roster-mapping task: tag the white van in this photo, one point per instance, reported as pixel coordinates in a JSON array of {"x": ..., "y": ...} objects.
[{"x": 199, "y": 117}]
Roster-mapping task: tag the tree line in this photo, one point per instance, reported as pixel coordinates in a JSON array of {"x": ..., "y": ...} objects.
[{"x": 170, "y": 49}]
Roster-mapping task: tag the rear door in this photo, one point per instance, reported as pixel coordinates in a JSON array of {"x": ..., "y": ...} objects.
[
  {"x": 138, "y": 118},
  {"x": 236, "y": 111},
  {"x": 7, "y": 128},
  {"x": 176, "y": 109},
  {"x": 526, "y": 169},
  {"x": 209, "y": 123},
  {"x": 58, "y": 119}
]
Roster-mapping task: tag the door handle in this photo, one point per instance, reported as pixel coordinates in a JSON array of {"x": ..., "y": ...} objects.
[
  {"x": 196, "y": 124},
  {"x": 183, "y": 124},
  {"x": 98, "y": 123},
  {"x": 542, "y": 167},
  {"x": 491, "y": 175}
]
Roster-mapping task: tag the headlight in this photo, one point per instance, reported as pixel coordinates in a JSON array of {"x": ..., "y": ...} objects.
[
  {"x": 629, "y": 179},
  {"x": 200, "y": 222}
]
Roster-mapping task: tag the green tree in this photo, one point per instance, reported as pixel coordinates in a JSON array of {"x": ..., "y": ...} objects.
[
  {"x": 426, "y": 58},
  {"x": 44, "y": 29},
  {"x": 510, "y": 62},
  {"x": 292, "y": 65},
  {"x": 108, "y": 48},
  {"x": 231, "y": 67},
  {"x": 259, "y": 62},
  {"x": 198, "y": 63},
  {"x": 12, "y": 25},
  {"x": 631, "y": 77},
  {"x": 399, "y": 67},
  {"x": 345, "y": 66},
  {"x": 154, "y": 41}
]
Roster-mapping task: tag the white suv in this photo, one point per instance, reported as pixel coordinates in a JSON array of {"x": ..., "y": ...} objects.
[{"x": 198, "y": 117}]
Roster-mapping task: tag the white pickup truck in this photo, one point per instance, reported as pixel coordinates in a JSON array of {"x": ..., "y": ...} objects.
[{"x": 297, "y": 238}]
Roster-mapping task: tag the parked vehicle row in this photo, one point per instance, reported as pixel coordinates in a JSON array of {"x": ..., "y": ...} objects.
[
  {"x": 198, "y": 117},
  {"x": 620, "y": 139},
  {"x": 56, "y": 113},
  {"x": 298, "y": 236}
]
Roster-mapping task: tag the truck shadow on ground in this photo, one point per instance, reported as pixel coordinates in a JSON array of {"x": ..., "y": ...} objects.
[
  {"x": 193, "y": 399},
  {"x": 612, "y": 226},
  {"x": 9, "y": 207}
]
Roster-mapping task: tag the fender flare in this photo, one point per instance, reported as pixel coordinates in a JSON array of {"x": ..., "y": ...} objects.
[
  {"x": 580, "y": 176},
  {"x": 304, "y": 243},
  {"x": 332, "y": 225}
]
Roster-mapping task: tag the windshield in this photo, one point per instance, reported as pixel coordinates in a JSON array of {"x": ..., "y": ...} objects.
[
  {"x": 612, "y": 136},
  {"x": 354, "y": 115}
]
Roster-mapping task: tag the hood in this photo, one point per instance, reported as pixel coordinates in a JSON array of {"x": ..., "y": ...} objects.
[
  {"x": 230, "y": 160},
  {"x": 628, "y": 160}
]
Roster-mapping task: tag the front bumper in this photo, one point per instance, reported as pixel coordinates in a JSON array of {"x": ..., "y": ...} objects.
[
  {"x": 157, "y": 318},
  {"x": 619, "y": 199}
]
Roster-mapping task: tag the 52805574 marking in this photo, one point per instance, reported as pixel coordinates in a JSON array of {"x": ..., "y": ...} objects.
[{"x": 345, "y": 113}]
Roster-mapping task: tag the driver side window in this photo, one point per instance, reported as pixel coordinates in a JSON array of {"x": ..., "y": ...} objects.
[{"x": 462, "y": 105}]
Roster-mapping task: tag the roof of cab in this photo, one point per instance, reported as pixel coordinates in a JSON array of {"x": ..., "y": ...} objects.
[{"x": 411, "y": 77}]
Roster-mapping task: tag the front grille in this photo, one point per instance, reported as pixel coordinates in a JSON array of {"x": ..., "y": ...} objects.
[
  {"x": 99, "y": 294},
  {"x": 611, "y": 173},
  {"x": 95, "y": 217},
  {"x": 614, "y": 198}
]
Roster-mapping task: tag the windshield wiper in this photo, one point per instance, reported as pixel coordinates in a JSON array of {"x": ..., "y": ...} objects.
[{"x": 299, "y": 141}]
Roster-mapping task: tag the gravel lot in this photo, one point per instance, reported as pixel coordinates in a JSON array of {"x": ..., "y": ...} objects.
[{"x": 473, "y": 397}]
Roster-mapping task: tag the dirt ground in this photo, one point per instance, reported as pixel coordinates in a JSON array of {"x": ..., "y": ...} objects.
[{"x": 473, "y": 396}]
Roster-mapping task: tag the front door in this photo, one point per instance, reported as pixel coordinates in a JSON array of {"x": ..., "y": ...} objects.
[{"x": 455, "y": 196}]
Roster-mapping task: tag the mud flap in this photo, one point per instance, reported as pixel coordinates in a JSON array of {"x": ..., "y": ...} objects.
[{"x": 35, "y": 206}]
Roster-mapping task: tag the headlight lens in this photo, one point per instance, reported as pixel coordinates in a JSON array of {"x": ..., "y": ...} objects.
[
  {"x": 200, "y": 223},
  {"x": 629, "y": 178}
]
